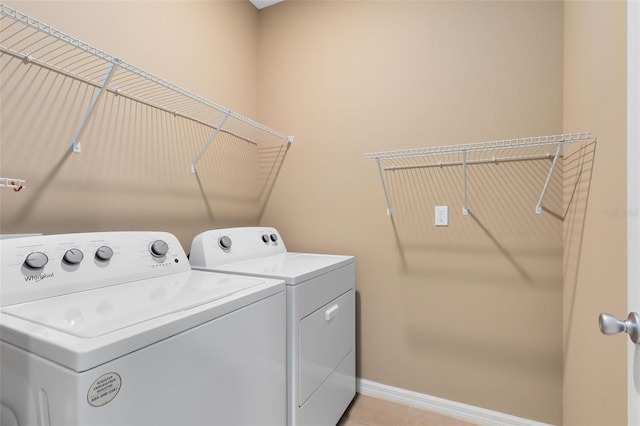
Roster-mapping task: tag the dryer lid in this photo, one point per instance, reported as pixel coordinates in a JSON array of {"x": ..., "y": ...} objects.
[{"x": 291, "y": 267}]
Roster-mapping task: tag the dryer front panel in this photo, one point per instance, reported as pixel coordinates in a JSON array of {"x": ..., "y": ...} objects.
[{"x": 326, "y": 337}]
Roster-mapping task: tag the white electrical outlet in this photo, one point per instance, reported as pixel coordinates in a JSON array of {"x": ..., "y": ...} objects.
[{"x": 442, "y": 215}]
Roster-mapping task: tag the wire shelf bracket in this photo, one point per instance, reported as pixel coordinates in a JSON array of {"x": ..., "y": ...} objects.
[
  {"x": 97, "y": 94},
  {"x": 476, "y": 153},
  {"x": 465, "y": 209},
  {"x": 546, "y": 182},
  {"x": 384, "y": 187},
  {"x": 36, "y": 43},
  {"x": 208, "y": 142}
]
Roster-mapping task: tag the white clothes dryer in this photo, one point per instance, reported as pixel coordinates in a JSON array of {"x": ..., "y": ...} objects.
[
  {"x": 320, "y": 314},
  {"x": 114, "y": 328}
]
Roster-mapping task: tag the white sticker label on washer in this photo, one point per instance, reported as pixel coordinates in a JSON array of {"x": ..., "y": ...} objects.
[{"x": 104, "y": 389}]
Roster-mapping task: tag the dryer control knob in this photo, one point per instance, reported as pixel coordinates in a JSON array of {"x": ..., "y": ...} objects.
[
  {"x": 159, "y": 248},
  {"x": 274, "y": 237},
  {"x": 224, "y": 242},
  {"x": 104, "y": 253},
  {"x": 36, "y": 260},
  {"x": 73, "y": 256},
  {"x": 265, "y": 238}
]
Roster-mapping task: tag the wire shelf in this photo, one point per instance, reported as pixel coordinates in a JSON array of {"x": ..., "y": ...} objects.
[
  {"x": 36, "y": 42},
  {"x": 499, "y": 145},
  {"x": 507, "y": 150}
]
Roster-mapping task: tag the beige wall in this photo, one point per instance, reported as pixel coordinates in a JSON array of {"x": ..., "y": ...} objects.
[
  {"x": 472, "y": 312},
  {"x": 595, "y": 199},
  {"x": 134, "y": 169}
]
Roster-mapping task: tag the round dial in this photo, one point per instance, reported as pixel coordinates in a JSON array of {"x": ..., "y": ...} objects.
[
  {"x": 274, "y": 237},
  {"x": 36, "y": 260},
  {"x": 104, "y": 253},
  {"x": 265, "y": 238},
  {"x": 159, "y": 248},
  {"x": 73, "y": 256},
  {"x": 224, "y": 243}
]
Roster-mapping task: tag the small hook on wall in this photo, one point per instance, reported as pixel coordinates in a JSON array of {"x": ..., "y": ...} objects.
[{"x": 15, "y": 184}]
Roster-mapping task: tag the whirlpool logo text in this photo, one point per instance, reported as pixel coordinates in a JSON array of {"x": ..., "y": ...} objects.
[{"x": 37, "y": 278}]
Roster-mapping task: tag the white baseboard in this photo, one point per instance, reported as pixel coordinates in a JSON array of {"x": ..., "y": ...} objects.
[{"x": 470, "y": 413}]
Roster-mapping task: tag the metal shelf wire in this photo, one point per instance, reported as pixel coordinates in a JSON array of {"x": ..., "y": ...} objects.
[
  {"x": 36, "y": 42},
  {"x": 523, "y": 149}
]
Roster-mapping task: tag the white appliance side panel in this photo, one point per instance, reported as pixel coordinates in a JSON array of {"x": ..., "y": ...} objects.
[
  {"x": 325, "y": 338},
  {"x": 228, "y": 371}
]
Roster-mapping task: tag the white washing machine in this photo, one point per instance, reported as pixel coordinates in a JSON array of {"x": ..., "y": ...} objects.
[
  {"x": 115, "y": 328},
  {"x": 320, "y": 314}
]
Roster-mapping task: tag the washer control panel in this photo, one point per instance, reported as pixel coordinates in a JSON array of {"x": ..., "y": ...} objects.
[
  {"x": 50, "y": 265},
  {"x": 219, "y": 246}
]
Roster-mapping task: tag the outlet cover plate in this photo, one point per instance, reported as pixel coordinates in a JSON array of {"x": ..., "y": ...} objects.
[{"x": 442, "y": 215}]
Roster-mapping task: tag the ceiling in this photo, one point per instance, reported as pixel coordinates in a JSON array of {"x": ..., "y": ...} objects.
[{"x": 261, "y": 4}]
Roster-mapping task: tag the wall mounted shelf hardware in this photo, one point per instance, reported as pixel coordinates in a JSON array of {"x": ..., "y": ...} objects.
[
  {"x": 524, "y": 149},
  {"x": 15, "y": 184},
  {"x": 35, "y": 42}
]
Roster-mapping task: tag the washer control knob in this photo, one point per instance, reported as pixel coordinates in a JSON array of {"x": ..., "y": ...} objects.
[
  {"x": 273, "y": 237},
  {"x": 73, "y": 256},
  {"x": 104, "y": 253},
  {"x": 224, "y": 242},
  {"x": 265, "y": 238},
  {"x": 36, "y": 260},
  {"x": 159, "y": 248}
]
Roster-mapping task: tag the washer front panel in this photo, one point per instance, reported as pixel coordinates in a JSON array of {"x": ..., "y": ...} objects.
[{"x": 206, "y": 375}]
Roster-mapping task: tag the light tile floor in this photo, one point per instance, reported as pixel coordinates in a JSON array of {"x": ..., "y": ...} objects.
[{"x": 368, "y": 411}]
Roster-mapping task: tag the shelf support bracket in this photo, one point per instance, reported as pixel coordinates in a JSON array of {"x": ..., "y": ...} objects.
[
  {"x": 546, "y": 183},
  {"x": 208, "y": 141},
  {"x": 97, "y": 94},
  {"x": 384, "y": 188},
  {"x": 465, "y": 209}
]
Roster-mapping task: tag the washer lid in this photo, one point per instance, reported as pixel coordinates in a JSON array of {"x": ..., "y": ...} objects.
[
  {"x": 97, "y": 312},
  {"x": 291, "y": 267},
  {"x": 85, "y": 329}
]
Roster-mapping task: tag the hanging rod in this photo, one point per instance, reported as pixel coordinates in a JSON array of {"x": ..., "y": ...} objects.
[
  {"x": 457, "y": 155},
  {"x": 36, "y": 42},
  {"x": 489, "y": 160},
  {"x": 15, "y": 184}
]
